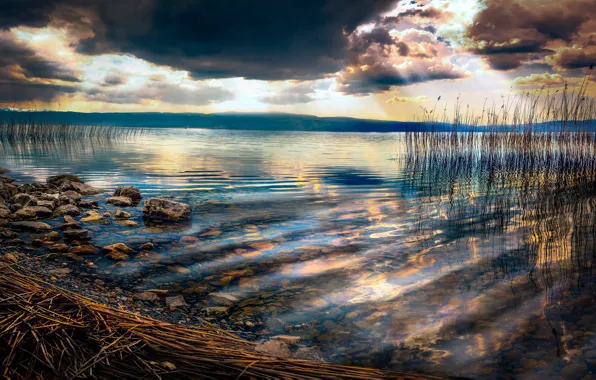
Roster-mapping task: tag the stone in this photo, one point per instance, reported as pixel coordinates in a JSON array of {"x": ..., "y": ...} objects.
[
  {"x": 179, "y": 269},
  {"x": 7, "y": 234},
  {"x": 91, "y": 216},
  {"x": 33, "y": 212},
  {"x": 309, "y": 353},
  {"x": 290, "y": 340},
  {"x": 85, "y": 249},
  {"x": 274, "y": 348},
  {"x": 4, "y": 179},
  {"x": 73, "y": 257},
  {"x": 23, "y": 200},
  {"x": 60, "y": 271},
  {"x": 131, "y": 192},
  {"x": 59, "y": 179},
  {"x": 130, "y": 223},
  {"x": 52, "y": 236},
  {"x": 166, "y": 210},
  {"x": 11, "y": 257},
  {"x": 3, "y": 222},
  {"x": 88, "y": 203},
  {"x": 573, "y": 371},
  {"x": 30, "y": 226},
  {"x": 189, "y": 239},
  {"x": 147, "y": 296},
  {"x": 78, "y": 234},
  {"x": 37, "y": 242},
  {"x": 68, "y": 209},
  {"x": 4, "y": 213},
  {"x": 196, "y": 289},
  {"x": 26, "y": 213},
  {"x": 7, "y": 190},
  {"x": 147, "y": 246},
  {"x": 224, "y": 299},
  {"x": 49, "y": 197},
  {"x": 117, "y": 247},
  {"x": 68, "y": 219},
  {"x": 117, "y": 251},
  {"x": 72, "y": 195},
  {"x": 4, "y": 171},
  {"x": 216, "y": 311},
  {"x": 70, "y": 226},
  {"x": 121, "y": 214},
  {"x": 81, "y": 188},
  {"x": 58, "y": 248},
  {"x": 47, "y": 204},
  {"x": 175, "y": 302},
  {"x": 120, "y": 201}
]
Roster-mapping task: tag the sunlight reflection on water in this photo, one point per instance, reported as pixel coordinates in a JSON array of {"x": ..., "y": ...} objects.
[{"x": 341, "y": 239}]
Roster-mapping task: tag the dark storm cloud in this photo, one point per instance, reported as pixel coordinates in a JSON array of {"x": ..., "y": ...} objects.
[
  {"x": 269, "y": 40},
  {"x": 34, "y": 13},
  {"x": 573, "y": 58},
  {"x": 507, "y": 31},
  {"x": 12, "y": 91}
]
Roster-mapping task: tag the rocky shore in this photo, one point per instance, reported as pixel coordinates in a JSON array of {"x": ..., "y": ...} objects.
[{"x": 48, "y": 228}]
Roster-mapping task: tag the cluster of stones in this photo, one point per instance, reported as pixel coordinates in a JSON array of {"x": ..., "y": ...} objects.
[{"x": 23, "y": 209}]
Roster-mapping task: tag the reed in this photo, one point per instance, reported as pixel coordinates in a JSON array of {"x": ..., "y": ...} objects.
[{"x": 12, "y": 132}]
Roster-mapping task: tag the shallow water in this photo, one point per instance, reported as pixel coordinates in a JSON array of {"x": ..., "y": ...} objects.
[{"x": 375, "y": 256}]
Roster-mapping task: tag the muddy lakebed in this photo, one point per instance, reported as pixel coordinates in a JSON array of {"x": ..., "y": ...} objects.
[{"x": 369, "y": 255}]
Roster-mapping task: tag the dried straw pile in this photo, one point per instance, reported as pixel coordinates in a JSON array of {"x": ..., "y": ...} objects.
[{"x": 47, "y": 332}]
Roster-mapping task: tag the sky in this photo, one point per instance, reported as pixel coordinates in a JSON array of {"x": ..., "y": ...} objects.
[{"x": 377, "y": 59}]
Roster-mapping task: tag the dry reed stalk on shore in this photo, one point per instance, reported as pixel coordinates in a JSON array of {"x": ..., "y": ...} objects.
[{"x": 49, "y": 332}]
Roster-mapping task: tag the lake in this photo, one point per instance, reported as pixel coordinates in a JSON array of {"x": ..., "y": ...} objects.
[{"x": 458, "y": 264}]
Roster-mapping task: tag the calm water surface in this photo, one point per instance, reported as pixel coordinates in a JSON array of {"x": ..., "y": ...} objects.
[{"x": 374, "y": 256}]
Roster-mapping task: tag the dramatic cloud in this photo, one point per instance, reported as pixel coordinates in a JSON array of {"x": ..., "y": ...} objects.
[
  {"x": 540, "y": 80},
  {"x": 573, "y": 58},
  {"x": 268, "y": 40},
  {"x": 412, "y": 56},
  {"x": 507, "y": 32}
]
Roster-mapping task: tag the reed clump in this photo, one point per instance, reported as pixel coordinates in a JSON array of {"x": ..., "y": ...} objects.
[
  {"x": 49, "y": 332},
  {"x": 17, "y": 132}
]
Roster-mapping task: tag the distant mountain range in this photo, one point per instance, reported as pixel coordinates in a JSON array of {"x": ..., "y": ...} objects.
[{"x": 236, "y": 121}]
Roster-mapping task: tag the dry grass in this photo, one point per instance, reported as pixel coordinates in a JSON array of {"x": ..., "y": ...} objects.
[{"x": 49, "y": 332}]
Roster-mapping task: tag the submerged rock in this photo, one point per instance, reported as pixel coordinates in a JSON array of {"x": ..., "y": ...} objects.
[
  {"x": 162, "y": 209},
  {"x": 175, "y": 302},
  {"x": 118, "y": 251},
  {"x": 309, "y": 353},
  {"x": 147, "y": 296},
  {"x": 76, "y": 234},
  {"x": 147, "y": 246},
  {"x": 52, "y": 236},
  {"x": 290, "y": 340},
  {"x": 7, "y": 234},
  {"x": 275, "y": 348},
  {"x": 129, "y": 192},
  {"x": 224, "y": 299},
  {"x": 31, "y": 226},
  {"x": 91, "y": 216},
  {"x": 58, "y": 248},
  {"x": 85, "y": 249},
  {"x": 120, "y": 201}
]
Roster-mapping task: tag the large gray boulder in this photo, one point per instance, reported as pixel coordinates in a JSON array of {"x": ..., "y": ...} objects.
[{"x": 161, "y": 209}]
